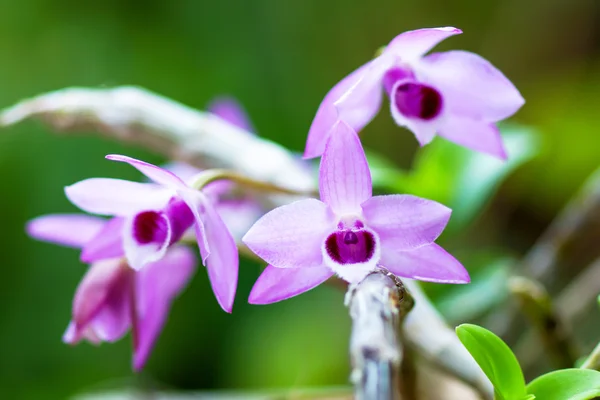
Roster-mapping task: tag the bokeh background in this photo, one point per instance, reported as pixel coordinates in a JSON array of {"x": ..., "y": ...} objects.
[{"x": 278, "y": 58}]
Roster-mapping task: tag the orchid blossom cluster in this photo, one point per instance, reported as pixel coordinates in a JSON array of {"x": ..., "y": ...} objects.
[{"x": 138, "y": 258}]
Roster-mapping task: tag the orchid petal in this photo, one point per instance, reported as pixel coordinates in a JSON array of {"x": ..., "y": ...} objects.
[
  {"x": 477, "y": 135},
  {"x": 73, "y": 230},
  {"x": 195, "y": 200},
  {"x": 139, "y": 253},
  {"x": 429, "y": 263},
  {"x": 156, "y": 174},
  {"x": 231, "y": 111},
  {"x": 471, "y": 86},
  {"x": 156, "y": 287},
  {"x": 405, "y": 222},
  {"x": 116, "y": 197},
  {"x": 223, "y": 261},
  {"x": 413, "y": 44},
  {"x": 344, "y": 176},
  {"x": 276, "y": 284},
  {"x": 107, "y": 243},
  {"x": 327, "y": 114},
  {"x": 105, "y": 284},
  {"x": 291, "y": 236},
  {"x": 361, "y": 102}
]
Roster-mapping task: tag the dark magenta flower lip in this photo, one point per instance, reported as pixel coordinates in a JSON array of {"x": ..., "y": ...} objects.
[
  {"x": 350, "y": 247},
  {"x": 414, "y": 100}
]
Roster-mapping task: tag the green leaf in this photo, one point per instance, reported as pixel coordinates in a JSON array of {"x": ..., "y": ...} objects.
[
  {"x": 566, "y": 384},
  {"x": 495, "y": 359}
]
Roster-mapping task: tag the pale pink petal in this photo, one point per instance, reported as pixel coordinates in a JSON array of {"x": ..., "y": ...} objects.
[
  {"x": 413, "y": 44},
  {"x": 73, "y": 230},
  {"x": 327, "y": 114},
  {"x": 157, "y": 174},
  {"x": 429, "y": 263},
  {"x": 113, "y": 320},
  {"x": 276, "y": 284},
  {"x": 104, "y": 285},
  {"x": 116, "y": 197},
  {"x": 476, "y": 135},
  {"x": 292, "y": 235},
  {"x": 157, "y": 285},
  {"x": 362, "y": 101},
  {"x": 471, "y": 86},
  {"x": 141, "y": 253},
  {"x": 107, "y": 243},
  {"x": 231, "y": 111},
  {"x": 195, "y": 200},
  {"x": 222, "y": 263},
  {"x": 344, "y": 176},
  {"x": 404, "y": 221}
]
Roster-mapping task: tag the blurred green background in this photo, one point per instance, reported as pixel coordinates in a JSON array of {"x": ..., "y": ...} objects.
[{"x": 278, "y": 58}]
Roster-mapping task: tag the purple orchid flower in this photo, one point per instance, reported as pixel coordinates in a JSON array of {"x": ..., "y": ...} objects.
[
  {"x": 349, "y": 232},
  {"x": 456, "y": 94},
  {"x": 150, "y": 217},
  {"x": 112, "y": 297}
]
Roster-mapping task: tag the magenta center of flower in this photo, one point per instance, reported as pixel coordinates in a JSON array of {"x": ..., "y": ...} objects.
[
  {"x": 350, "y": 246},
  {"x": 149, "y": 226},
  {"x": 415, "y": 100}
]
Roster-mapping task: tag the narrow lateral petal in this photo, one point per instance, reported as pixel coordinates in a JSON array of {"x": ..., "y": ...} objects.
[
  {"x": 231, "y": 111},
  {"x": 195, "y": 201},
  {"x": 404, "y": 221},
  {"x": 156, "y": 174},
  {"x": 362, "y": 101},
  {"x": 150, "y": 246},
  {"x": 471, "y": 86},
  {"x": 73, "y": 230},
  {"x": 344, "y": 176},
  {"x": 276, "y": 284},
  {"x": 106, "y": 196},
  {"x": 327, "y": 114},
  {"x": 291, "y": 236},
  {"x": 223, "y": 261},
  {"x": 107, "y": 243},
  {"x": 157, "y": 285},
  {"x": 413, "y": 44},
  {"x": 476, "y": 135},
  {"x": 429, "y": 263}
]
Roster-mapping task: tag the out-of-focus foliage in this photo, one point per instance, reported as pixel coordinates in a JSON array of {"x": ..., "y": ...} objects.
[
  {"x": 496, "y": 360},
  {"x": 571, "y": 384},
  {"x": 462, "y": 179}
]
